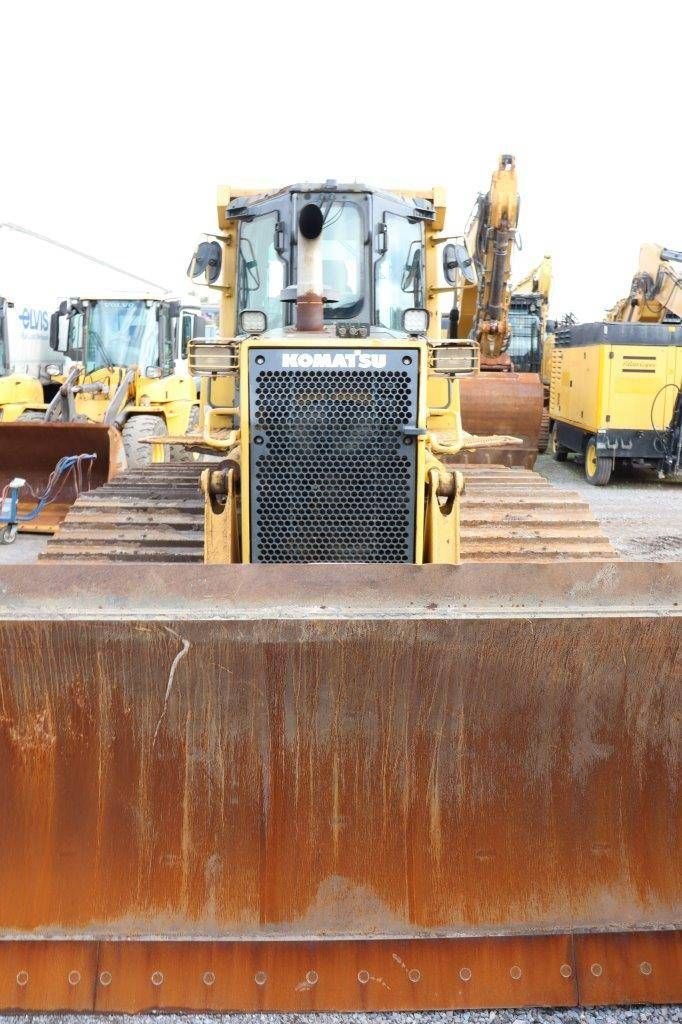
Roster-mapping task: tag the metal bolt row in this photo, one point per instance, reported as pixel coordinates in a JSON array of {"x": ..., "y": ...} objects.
[{"x": 312, "y": 977}]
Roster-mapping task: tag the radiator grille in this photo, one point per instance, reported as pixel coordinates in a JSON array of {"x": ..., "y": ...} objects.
[{"x": 332, "y": 472}]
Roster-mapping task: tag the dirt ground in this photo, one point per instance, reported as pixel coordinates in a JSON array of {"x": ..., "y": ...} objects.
[{"x": 641, "y": 514}]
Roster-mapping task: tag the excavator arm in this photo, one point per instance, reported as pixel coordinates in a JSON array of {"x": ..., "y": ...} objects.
[
  {"x": 485, "y": 304},
  {"x": 656, "y": 289}
]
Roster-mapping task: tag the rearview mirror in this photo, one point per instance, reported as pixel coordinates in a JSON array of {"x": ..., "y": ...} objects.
[
  {"x": 59, "y": 332},
  {"x": 207, "y": 260},
  {"x": 456, "y": 257}
]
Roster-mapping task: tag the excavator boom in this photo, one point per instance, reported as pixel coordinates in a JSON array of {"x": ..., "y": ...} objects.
[{"x": 656, "y": 289}]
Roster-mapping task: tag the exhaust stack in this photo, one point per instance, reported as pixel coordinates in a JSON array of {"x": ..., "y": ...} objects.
[{"x": 309, "y": 307}]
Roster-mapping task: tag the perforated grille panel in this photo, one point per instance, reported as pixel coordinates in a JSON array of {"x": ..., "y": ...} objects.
[{"x": 332, "y": 469}]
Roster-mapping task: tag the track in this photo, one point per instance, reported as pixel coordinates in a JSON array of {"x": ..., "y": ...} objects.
[{"x": 156, "y": 515}]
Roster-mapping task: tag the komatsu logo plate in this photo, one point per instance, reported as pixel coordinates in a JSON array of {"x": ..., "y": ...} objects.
[{"x": 358, "y": 359}]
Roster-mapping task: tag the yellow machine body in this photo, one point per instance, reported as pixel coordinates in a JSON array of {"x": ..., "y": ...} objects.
[
  {"x": 436, "y": 432},
  {"x": 20, "y": 394},
  {"x": 172, "y": 397}
]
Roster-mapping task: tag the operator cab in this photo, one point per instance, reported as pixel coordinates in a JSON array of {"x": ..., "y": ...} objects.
[
  {"x": 143, "y": 332},
  {"x": 372, "y": 257}
]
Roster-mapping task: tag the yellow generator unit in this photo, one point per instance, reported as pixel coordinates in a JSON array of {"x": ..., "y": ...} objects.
[{"x": 615, "y": 395}]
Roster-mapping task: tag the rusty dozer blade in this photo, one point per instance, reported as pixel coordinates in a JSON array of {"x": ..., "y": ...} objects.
[
  {"x": 502, "y": 403},
  {"x": 339, "y": 788},
  {"x": 31, "y": 451}
]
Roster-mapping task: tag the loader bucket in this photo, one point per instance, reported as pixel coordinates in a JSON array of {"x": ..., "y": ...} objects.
[
  {"x": 502, "y": 403},
  {"x": 31, "y": 451},
  {"x": 339, "y": 788}
]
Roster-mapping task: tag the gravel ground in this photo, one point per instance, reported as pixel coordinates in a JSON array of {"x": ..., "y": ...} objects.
[
  {"x": 607, "y": 1015},
  {"x": 641, "y": 514}
]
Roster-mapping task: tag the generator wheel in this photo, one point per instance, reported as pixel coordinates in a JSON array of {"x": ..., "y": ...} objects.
[
  {"x": 597, "y": 467},
  {"x": 8, "y": 533},
  {"x": 558, "y": 451},
  {"x": 135, "y": 429}
]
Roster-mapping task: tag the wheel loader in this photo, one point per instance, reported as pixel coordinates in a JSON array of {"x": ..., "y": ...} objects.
[
  {"x": 123, "y": 354},
  {"x": 124, "y": 373},
  {"x": 29, "y": 450},
  {"x": 405, "y": 738}
]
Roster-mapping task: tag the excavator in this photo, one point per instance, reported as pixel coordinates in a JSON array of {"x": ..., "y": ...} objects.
[
  {"x": 499, "y": 399},
  {"x": 532, "y": 333},
  {"x": 404, "y": 738},
  {"x": 656, "y": 290}
]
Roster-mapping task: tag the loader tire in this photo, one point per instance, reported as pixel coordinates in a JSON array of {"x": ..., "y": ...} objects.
[
  {"x": 558, "y": 451},
  {"x": 597, "y": 467},
  {"x": 176, "y": 452},
  {"x": 135, "y": 429},
  {"x": 31, "y": 414}
]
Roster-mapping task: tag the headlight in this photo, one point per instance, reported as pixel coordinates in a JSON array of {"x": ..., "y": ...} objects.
[
  {"x": 52, "y": 369},
  {"x": 153, "y": 371},
  {"x": 415, "y": 321},
  {"x": 253, "y": 321}
]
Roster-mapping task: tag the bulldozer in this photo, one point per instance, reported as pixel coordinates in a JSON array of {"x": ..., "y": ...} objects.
[
  {"x": 405, "y": 737},
  {"x": 503, "y": 398}
]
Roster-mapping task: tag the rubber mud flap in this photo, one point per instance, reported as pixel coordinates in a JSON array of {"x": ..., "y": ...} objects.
[
  {"x": 502, "y": 403},
  {"x": 324, "y": 775},
  {"x": 32, "y": 450}
]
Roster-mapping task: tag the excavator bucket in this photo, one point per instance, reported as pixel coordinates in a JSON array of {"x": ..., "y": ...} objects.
[
  {"x": 503, "y": 403},
  {"x": 31, "y": 451},
  {"x": 348, "y": 787}
]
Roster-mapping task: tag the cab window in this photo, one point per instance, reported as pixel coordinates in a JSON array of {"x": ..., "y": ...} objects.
[
  {"x": 260, "y": 270},
  {"x": 343, "y": 258},
  {"x": 75, "y": 342},
  {"x": 399, "y": 280}
]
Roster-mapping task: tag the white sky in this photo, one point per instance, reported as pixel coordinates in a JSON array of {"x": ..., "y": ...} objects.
[{"x": 121, "y": 118}]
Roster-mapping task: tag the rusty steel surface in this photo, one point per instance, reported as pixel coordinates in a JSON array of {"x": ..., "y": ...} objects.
[
  {"x": 31, "y": 450},
  {"x": 502, "y": 403},
  {"x": 265, "y": 592},
  {"x": 157, "y": 514},
  {"x": 439, "y": 760},
  {"x": 424, "y": 974}
]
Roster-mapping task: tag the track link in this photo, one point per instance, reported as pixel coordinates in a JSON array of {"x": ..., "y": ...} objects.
[{"x": 156, "y": 515}]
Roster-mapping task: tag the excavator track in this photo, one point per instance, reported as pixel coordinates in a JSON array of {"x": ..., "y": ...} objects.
[{"x": 508, "y": 514}]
